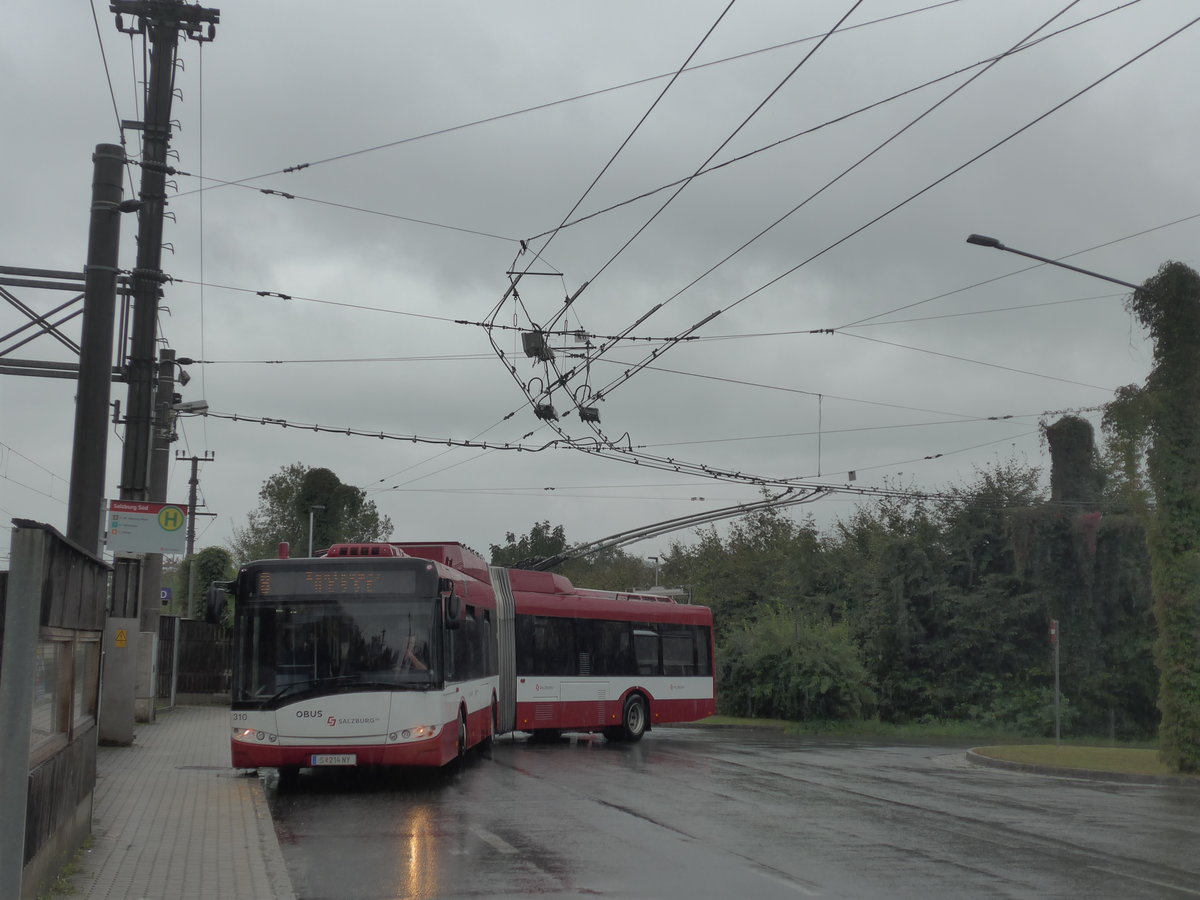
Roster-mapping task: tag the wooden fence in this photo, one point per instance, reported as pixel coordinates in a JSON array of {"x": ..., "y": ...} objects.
[{"x": 52, "y": 606}]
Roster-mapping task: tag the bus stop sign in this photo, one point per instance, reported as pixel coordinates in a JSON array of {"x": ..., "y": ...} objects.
[{"x": 138, "y": 527}]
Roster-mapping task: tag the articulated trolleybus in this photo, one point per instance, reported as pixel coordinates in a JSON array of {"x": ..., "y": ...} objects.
[{"x": 410, "y": 654}]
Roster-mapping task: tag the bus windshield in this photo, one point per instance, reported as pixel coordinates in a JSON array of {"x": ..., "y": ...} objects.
[{"x": 291, "y": 647}]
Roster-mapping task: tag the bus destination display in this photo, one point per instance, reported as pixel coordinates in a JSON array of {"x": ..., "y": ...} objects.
[{"x": 330, "y": 582}]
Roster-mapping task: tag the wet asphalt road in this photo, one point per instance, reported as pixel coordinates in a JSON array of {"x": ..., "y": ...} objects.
[{"x": 697, "y": 813}]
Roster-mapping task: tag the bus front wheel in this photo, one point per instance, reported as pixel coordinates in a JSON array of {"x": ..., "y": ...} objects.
[{"x": 462, "y": 740}]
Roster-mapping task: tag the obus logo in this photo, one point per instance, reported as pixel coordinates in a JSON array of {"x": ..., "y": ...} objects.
[
  {"x": 309, "y": 714},
  {"x": 538, "y": 686}
]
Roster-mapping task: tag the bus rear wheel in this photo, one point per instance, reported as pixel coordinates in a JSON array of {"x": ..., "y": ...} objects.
[
  {"x": 490, "y": 738},
  {"x": 461, "y": 759},
  {"x": 633, "y": 721}
]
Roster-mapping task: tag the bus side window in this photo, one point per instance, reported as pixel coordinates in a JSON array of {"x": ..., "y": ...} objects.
[
  {"x": 466, "y": 649},
  {"x": 553, "y": 646},
  {"x": 702, "y": 637},
  {"x": 614, "y": 650},
  {"x": 678, "y": 651},
  {"x": 524, "y": 648},
  {"x": 585, "y": 636},
  {"x": 645, "y": 645},
  {"x": 488, "y": 638}
]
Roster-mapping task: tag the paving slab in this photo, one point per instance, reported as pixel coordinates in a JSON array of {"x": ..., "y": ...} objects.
[{"x": 172, "y": 819}]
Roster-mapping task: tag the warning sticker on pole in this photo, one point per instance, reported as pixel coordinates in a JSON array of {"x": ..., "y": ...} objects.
[{"x": 137, "y": 527}]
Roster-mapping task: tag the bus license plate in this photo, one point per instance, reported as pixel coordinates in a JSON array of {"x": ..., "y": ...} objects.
[{"x": 333, "y": 759}]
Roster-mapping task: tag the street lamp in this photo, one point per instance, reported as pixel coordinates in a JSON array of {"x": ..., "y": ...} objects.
[
  {"x": 982, "y": 240},
  {"x": 311, "y": 510},
  {"x": 655, "y": 558}
]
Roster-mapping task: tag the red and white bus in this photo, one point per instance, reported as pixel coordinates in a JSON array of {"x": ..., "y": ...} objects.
[
  {"x": 602, "y": 661},
  {"x": 410, "y": 654}
]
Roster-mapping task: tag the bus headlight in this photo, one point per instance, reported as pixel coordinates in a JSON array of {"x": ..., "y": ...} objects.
[
  {"x": 416, "y": 733},
  {"x": 247, "y": 734}
]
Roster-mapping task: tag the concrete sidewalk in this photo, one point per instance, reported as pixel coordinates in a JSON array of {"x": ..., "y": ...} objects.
[{"x": 171, "y": 819}]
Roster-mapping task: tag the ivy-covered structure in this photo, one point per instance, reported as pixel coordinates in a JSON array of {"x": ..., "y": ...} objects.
[{"x": 1163, "y": 419}]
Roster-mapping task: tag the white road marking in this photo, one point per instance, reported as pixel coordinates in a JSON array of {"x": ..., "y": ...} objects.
[
  {"x": 1165, "y": 884},
  {"x": 495, "y": 840},
  {"x": 795, "y": 886}
]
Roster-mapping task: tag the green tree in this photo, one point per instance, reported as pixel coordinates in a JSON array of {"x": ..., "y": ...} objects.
[
  {"x": 286, "y": 500},
  {"x": 195, "y": 573},
  {"x": 1164, "y": 417},
  {"x": 541, "y": 542},
  {"x": 609, "y": 570},
  {"x": 889, "y": 583},
  {"x": 991, "y": 646},
  {"x": 948, "y": 627},
  {"x": 1126, "y": 443},
  {"x": 945, "y": 602},
  {"x": 768, "y": 559}
]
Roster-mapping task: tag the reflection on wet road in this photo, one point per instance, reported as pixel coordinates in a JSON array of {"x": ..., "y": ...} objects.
[{"x": 694, "y": 813}]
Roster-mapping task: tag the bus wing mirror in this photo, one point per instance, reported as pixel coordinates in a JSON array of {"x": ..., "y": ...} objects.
[
  {"x": 453, "y": 611},
  {"x": 215, "y": 599},
  {"x": 452, "y": 605}
]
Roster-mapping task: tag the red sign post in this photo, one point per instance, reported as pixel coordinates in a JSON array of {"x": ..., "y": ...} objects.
[{"x": 1054, "y": 644}]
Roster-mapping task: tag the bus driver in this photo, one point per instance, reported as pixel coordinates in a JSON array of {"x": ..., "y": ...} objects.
[{"x": 411, "y": 659}]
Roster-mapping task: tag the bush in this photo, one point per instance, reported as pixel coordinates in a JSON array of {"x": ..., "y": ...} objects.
[
  {"x": 1030, "y": 711},
  {"x": 791, "y": 667}
]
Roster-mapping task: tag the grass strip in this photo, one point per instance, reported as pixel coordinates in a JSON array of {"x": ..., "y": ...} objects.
[{"x": 1094, "y": 759}]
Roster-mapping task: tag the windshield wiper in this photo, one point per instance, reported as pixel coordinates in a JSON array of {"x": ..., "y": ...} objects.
[{"x": 312, "y": 683}]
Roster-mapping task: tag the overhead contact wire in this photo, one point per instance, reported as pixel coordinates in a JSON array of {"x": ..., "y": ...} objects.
[{"x": 931, "y": 185}]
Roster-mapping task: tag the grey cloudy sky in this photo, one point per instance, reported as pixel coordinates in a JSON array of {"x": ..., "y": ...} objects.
[{"x": 425, "y": 176}]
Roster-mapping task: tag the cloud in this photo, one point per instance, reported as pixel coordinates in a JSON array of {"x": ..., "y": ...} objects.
[{"x": 386, "y": 350}]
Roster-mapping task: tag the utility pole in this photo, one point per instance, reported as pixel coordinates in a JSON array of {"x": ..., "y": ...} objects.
[
  {"x": 208, "y": 456},
  {"x": 193, "y": 482},
  {"x": 85, "y": 504}
]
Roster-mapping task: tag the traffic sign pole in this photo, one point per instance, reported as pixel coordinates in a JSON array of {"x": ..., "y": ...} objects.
[{"x": 1057, "y": 692}]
